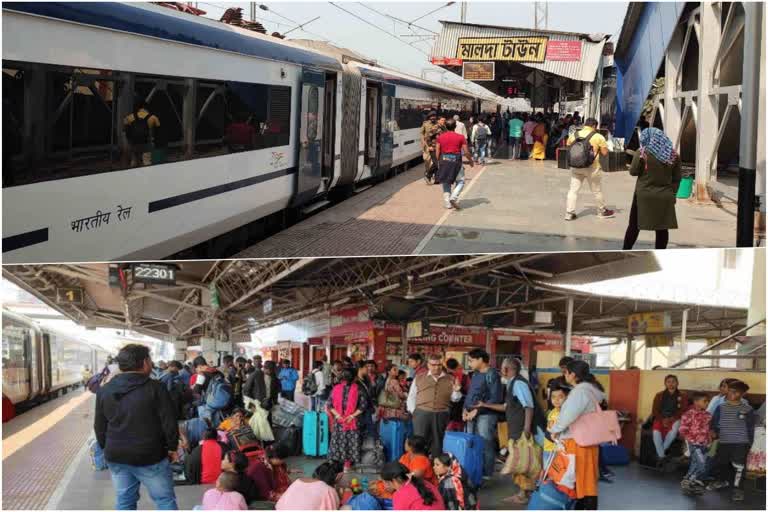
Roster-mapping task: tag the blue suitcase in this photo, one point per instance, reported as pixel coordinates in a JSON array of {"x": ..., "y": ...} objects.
[
  {"x": 549, "y": 497},
  {"x": 315, "y": 434},
  {"x": 614, "y": 454},
  {"x": 468, "y": 450},
  {"x": 393, "y": 434}
]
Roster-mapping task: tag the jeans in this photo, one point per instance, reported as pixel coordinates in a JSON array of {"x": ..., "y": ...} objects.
[
  {"x": 594, "y": 177},
  {"x": 663, "y": 444},
  {"x": 457, "y": 189},
  {"x": 157, "y": 478},
  {"x": 698, "y": 466},
  {"x": 484, "y": 425},
  {"x": 481, "y": 148},
  {"x": 288, "y": 395},
  {"x": 516, "y": 145}
]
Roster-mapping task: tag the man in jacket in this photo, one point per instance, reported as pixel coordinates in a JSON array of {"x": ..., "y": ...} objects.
[
  {"x": 484, "y": 393},
  {"x": 262, "y": 386},
  {"x": 135, "y": 425},
  {"x": 430, "y": 130},
  {"x": 288, "y": 377},
  {"x": 429, "y": 400}
]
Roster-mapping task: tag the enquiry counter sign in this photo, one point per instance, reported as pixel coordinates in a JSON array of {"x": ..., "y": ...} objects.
[{"x": 479, "y": 71}]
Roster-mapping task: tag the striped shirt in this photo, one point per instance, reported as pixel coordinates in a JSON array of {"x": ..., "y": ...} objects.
[{"x": 733, "y": 424}]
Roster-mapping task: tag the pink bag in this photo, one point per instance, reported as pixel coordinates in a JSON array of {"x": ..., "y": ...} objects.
[{"x": 594, "y": 428}]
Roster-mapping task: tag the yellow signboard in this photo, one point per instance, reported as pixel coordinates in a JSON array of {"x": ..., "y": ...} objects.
[
  {"x": 515, "y": 49},
  {"x": 649, "y": 323}
]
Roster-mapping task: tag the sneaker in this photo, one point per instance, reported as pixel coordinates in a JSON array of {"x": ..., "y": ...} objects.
[
  {"x": 685, "y": 484},
  {"x": 605, "y": 213},
  {"x": 570, "y": 216},
  {"x": 428, "y": 179},
  {"x": 455, "y": 204},
  {"x": 717, "y": 485},
  {"x": 737, "y": 495},
  {"x": 697, "y": 483},
  {"x": 447, "y": 205}
]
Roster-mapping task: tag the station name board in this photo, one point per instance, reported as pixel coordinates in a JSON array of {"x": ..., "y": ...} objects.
[
  {"x": 515, "y": 49},
  {"x": 479, "y": 71}
]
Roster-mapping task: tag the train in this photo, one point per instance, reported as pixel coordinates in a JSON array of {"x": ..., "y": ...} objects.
[
  {"x": 41, "y": 363},
  {"x": 322, "y": 126}
]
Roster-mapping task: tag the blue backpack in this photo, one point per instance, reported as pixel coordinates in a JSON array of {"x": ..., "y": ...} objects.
[
  {"x": 364, "y": 501},
  {"x": 219, "y": 394}
]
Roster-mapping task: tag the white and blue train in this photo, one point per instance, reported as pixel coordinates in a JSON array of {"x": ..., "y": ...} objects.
[{"x": 74, "y": 188}]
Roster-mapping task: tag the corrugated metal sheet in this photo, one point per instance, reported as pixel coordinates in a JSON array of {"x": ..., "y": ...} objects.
[
  {"x": 583, "y": 70},
  {"x": 643, "y": 44}
]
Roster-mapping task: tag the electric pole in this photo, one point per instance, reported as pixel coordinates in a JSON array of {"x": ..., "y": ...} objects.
[
  {"x": 541, "y": 15},
  {"x": 463, "y": 12}
]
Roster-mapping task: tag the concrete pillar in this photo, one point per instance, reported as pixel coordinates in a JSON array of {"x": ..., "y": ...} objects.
[
  {"x": 707, "y": 123},
  {"x": 760, "y": 139},
  {"x": 756, "y": 310},
  {"x": 751, "y": 97},
  {"x": 673, "y": 112}
]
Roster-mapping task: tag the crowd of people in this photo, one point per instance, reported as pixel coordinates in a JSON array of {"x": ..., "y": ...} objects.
[{"x": 194, "y": 423}]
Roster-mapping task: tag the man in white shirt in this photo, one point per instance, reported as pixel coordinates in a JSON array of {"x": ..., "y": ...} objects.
[
  {"x": 318, "y": 399},
  {"x": 460, "y": 127},
  {"x": 429, "y": 400}
]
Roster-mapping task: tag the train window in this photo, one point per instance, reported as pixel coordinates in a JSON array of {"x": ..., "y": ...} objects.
[
  {"x": 313, "y": 106},
  {"x": 15, "y": 336},
  {"x": 411, "y": 113},
  {"x": 62, "y": 122}
]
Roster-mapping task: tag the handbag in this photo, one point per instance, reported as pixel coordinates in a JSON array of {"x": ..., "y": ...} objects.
[
  {"x": 756, "y": 456},
  {"x": 388, "y": 400},
  {"x": 595, "y": 428},
  {"x": 524, "y": 457},
  {"x": 562, "y": 469}
]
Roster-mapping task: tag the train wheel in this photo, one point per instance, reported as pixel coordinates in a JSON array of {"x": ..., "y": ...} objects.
[{"x": 9, "y": 410}]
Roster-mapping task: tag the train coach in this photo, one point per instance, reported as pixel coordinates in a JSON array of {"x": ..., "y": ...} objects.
[
  {"x": 40, "y": 363},
  {"x": 76, "y": 187}
]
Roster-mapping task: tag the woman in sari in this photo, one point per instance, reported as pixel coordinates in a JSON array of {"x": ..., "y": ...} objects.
[
  {"x": 454, "y": 486},
  {"x": 540, "y": 139},
  {"x": 657, "y": 167},
  {"x": 392, "y": 407},
  {"x": 345, "y": 405}
]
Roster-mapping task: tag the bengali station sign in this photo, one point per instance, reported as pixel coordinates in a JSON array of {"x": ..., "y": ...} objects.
[
  {"x": 515, "y": 49},
  {"x": 479, "y": 71},
  {"x": 564, "y": 50}
]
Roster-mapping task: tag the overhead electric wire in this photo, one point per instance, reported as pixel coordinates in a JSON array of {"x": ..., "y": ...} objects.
[
  {"x": 379, "y": 28},
  {"x": 433, "y": 11},
  {"x": 396, "y": 18}
]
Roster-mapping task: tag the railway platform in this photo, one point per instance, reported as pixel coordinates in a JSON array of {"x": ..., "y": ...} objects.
[{"x": 506, "y": 206}]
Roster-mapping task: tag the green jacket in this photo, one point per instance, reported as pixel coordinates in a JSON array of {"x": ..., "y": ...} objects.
[{"x": 656, "y": 191}]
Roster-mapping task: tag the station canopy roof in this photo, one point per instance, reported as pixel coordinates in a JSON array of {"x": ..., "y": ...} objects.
[
  {"x": 492, "y": 290},
  {"x": 564, "y": 58}
]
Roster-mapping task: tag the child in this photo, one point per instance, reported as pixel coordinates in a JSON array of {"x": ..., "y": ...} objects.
[
  {"x": 224, "y": 496},
  {"x": 457, "y": 492},
  {"x": 416, "y": 460},
  {"x": 733, "y": 423},
  {"x": 694, "y": 428},
  {"x": 557, "y": 397}
]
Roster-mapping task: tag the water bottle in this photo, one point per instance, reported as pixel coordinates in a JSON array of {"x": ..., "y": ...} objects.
[{"x": 364, "y": 484}]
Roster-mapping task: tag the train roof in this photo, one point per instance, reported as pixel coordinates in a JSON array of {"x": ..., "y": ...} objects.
[{"x": 159, "y": 22}]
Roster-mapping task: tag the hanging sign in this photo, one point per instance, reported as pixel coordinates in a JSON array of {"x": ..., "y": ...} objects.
[
  {"x": 564, "y": 50},
  {"x": 479, "y": 71},
  {"x": 649, "y": 323},
  {"x": 515, "y": 49}
]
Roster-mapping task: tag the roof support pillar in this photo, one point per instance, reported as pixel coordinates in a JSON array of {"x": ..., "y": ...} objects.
[
  {"x": 569, "y": 325},
  {"x": 708, "y": 121},
  {"x": 673, "y": 112}
]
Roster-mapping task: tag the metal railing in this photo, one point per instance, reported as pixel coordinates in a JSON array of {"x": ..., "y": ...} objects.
[{"x": 749, "y": 355}]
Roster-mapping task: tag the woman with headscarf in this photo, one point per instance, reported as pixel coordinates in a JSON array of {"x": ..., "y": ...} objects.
[
  {"x": 345, "y": 405},
  {"x": 454, "y": 486},
  {"x": 657, "y": 167}
]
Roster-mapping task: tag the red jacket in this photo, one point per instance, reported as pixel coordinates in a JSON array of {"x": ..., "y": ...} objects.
[{"x": 694, "y": 426}]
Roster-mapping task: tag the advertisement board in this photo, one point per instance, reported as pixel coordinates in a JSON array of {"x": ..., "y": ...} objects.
[{"x": 479, "y": 71}]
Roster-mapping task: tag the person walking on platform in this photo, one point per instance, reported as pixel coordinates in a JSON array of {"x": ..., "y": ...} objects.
[
  {"x": 429, "y": 401},
  {"x": 135, "y": 425},
  {"x": 585, "y": 148},
  {"x": 429, "y": 132},
  {"x": 657, "y": 167},
  {"x": 461, "y": 128},
  {"x": 515, "y": 136},
  {"x": 449, "y": 148},
  {"x": 288, "y": 377},
  {"x": 481, "y": 134}
]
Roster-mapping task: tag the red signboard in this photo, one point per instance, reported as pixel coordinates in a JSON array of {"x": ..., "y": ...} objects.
[
  {"x": 564, "y": 50},
  {"x": 350, "y": 321},
  {"x": 452, "y": 336},
  {"x": 446, "y": 61}
]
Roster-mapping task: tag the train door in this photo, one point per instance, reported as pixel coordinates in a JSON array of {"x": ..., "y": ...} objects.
[
  {"x": 47, "y": 366},
  {"x": 372, "y": 93},
  {"x": 309, "y": 176},
  {"x": 386, "y": 129},
  {"x": 329, "y": 128}
]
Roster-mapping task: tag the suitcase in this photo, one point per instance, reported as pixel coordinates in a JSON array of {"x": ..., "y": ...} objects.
[
  {"x": 562, "y": 158},
  {"x": 614, "y": 454},
  {"x": 287, "y": 441},
  {"x": 315, "y": 434},
  {"x": 549, "y": 497},
  {"x": 468, "y": 450},
  {"x": 393, "y": 434}
]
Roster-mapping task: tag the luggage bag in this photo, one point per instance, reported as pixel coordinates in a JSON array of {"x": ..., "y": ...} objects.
[
  {"x": 315, "y": 434},
  {"x": 468, "y": 450}
]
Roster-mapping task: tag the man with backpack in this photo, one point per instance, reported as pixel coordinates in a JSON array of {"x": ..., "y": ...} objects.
[
  {"x": 173, "y": 382},
  {"x": 314, "y": 386},
  {"x": 481, "y": 134},
  {"x": 216, "y": 397},
  {"x": 584, "y": 150},
  {"x": 139, "y": 127},
  {"x": 136, "y": 427}
]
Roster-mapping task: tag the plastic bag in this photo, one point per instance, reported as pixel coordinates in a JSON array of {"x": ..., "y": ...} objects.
[
  {"x": 562, "y": 471},
  {"x": 756, "y": 456},
  {"x": 259, "y": 422}
]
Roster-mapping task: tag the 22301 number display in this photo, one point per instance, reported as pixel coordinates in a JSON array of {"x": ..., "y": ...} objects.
[{"x": 161, "y": 274}]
